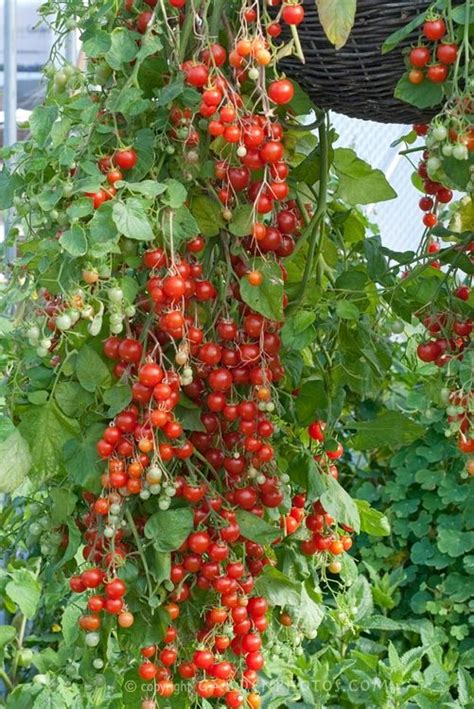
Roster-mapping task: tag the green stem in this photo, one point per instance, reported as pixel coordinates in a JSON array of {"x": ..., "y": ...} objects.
[
  {"x": 186, "y": 32},
  {"x": 6, "y": 680},
  {"x": 466, "y": 43},
  {"x": 217, "y": 8},
  {"x": 298, "y": 47},
  {"x": 136, "y": 537},
  {"x": 313, "y": 228}
]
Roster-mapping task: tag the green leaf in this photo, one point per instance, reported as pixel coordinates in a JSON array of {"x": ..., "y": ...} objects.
[
  {"x": 69, "y": 623},
  {"x": 98, "y": 44},
  {"x": 178, "y": 225},
  {"x": 8, "y": 184},
  {"x": 337, "y": 19},
  {"x": 347, "y": 310},
  {"x": 103, "y": 234},
  {"x": 144, "y": 145},
  {"x": 131, "y": 220},
  {"x": 63, "y": 505},
  {"x": 130, "y": 288},
  {"x": 49, "y": 197},
  {"x": 396, "y": 37},
  {"x": 167, "y": 94},
  {"x": 390, "y": 428},
  {"x": 339, "y": 504},
  {"x": 169, "y": 528},
  {"x": 267, "y": 298},
  {"x": 117, "y": 398},
  {"x": 303, "y": 471},
  {"x": 46, "y": 429},
  {"x": 161, "y": 566},
  {"x": 24, "y": 589},
  {"x": 372, "y": 521},
  {"x": 81, "y": 459},
  {"x": 242, "y": 219},
  {"x": 150, "y": 44},
  {"x": 72, "y": 399},
  {"x": 255, "y": 528},
  {"x": 311, "y": 402},
  {"x": 80, "y": 208},
  {"x": 175, "y": 194},
  {"x": 208, "y": 215},
  {"x": 310, "y": 610},
  {"x": 91, "y": 370},
  {"x": 148, "y": 188},
  {"x": 359, "y": 183},
  {"x": 41, "y": 121},
  {"x": 127, "y": 100},
  {"x": 123, "y": 48},
  {"x": 15, "y": 461},
  {"x": 74, "y": 241},
  {"x": 278, "y": 589},
  {"x": 422, "y": 95},
  {"x": 454, "y": 542},
  {"x": 189, "y": 414},
  {"x": 7, "y": 633}
]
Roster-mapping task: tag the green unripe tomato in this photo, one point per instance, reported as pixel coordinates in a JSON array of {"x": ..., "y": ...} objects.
[
  {"x": 60, "y": 79},
  {"x": 92, "y": 639},
  {"x": 439, "y": 133},
  {"x": 460, "y": 152},
  {"x": 25, "y": 657},
  {"x": 398, "y": 326}
]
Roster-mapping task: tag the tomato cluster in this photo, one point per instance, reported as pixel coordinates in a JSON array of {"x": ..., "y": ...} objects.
[{"x": 432, "y": 62}]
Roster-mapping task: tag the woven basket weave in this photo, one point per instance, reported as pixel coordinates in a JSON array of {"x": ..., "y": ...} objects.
[{"x": 358, "y": 80}]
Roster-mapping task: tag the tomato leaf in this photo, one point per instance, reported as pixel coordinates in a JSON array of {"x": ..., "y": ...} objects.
[
  {"x": 130, "y": 219},
  {"x": 208, "y": 215},
  {"x": 422, "y": 95},
  {"x": 347, "y": 310},
  {"x": 123, "y": 48},
  {"x": 311, "y": 402},
  {"x": 178, "y": 225},
  {"x": 255, "y": 528},
  {"x": 7, "y": 633},
  {"x": 339, "y": 504},
  {"x": 24, "y": 589},
  {"x": 46, "y": 429},
  {"x": 41, "y": 122},
  {"x": 278, "y": 589},
  {"x": 74, "y": 241},
  {"x": 117, "y": 398},
  {"x": 390, "y": 428},
  {"x": 241, "y": 224},
  {"x": 175, "y": 194},
  {"x": 91, "y": 370},
  {"x": 359, "y": 183},
  {"x": 267, "y": 298},
  {"x": 310, "y": 609},
  {"x": 81, "y": 459},
  {"x": 396, "y": 37},
  {"x": 372, "y": 521},
  {"x": 103, "y": 235},
  {"x": 15, "y": 461},
  {"x": 63, "y": 504},
  {"x": 337, "y": 18},
  {"x": 169, "y": 528}
]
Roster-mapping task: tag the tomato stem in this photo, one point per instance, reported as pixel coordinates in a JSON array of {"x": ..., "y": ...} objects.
[{"x": 313, "y": 228}]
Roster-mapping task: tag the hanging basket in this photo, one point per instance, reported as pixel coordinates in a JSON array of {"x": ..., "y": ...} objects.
[{"x": 358, "y": 80}]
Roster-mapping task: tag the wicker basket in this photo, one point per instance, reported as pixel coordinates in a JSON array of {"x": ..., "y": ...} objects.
[{"x": 358, "y": 80}]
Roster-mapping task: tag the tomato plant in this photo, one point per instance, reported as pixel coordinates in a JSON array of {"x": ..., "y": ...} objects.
[{"x": 201, "y": 313}]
